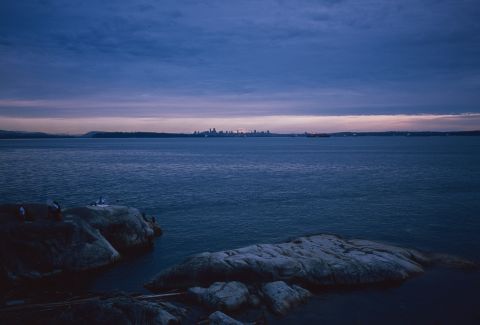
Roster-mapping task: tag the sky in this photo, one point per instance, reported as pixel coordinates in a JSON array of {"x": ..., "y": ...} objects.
[{"x": 285, "y": 66}]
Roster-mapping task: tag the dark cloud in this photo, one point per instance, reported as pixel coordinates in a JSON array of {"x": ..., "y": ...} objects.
[{"x": 398, "y": 54}]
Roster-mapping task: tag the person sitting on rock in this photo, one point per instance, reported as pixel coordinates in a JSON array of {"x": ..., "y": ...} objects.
[
  {"x": 56, "y": 211},
  {"x": 22, "y": 214}
]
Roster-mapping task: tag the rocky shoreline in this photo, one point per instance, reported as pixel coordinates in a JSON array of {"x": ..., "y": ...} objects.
[
  {"x": 85, "y": 239},
  {"x": 281, "y": 276},
  {"x": 265, "y": 278}
]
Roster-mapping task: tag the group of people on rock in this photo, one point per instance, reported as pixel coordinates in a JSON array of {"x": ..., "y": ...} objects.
[
  {"x": 54, "y": 212},
  {"x": 101, "y": 201},
  {"x": 152, "y": 220}
]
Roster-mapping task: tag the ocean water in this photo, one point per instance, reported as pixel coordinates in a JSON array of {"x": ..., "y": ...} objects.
[{"x": 221, "y": 193}]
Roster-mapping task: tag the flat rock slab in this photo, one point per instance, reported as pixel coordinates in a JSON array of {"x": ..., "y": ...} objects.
[
  {"x": 313, "y": 261},
  {"x": 228, "y": 296},
  {"x": 281, "y": 297}
]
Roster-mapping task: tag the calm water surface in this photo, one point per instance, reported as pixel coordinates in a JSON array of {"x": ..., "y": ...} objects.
[{"x": 211, "y": 194}]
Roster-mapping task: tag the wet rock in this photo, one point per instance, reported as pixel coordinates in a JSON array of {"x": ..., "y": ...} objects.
[
  {"x": 281, "y": 297},
  {"x": 227, "y": 296},
  {"x": 219, "y": 318},
  {"x": 119, "y": 311},
  {"x": 124, "y": 227},
  {"x": 313, "y": 261}
]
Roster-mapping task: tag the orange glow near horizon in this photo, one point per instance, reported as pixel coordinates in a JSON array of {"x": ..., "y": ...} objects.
[{"x": 279, "y": 124}]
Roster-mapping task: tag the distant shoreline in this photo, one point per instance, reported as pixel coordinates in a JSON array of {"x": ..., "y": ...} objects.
[{"x": 221, "y": 134}]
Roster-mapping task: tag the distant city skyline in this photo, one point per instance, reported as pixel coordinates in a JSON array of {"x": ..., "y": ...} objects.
[{"x": 180, "y": 66}]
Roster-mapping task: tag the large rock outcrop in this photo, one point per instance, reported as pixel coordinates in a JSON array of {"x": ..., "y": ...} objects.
[
  {"x": 124, "y": 227},
  {"x": 313, "y": 261},
  {"x": 85, "y": 239}
]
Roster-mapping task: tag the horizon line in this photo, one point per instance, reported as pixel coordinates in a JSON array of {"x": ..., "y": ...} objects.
[
  {"x": 252, "y": 132},
  {"x": 274, "y": 123}
]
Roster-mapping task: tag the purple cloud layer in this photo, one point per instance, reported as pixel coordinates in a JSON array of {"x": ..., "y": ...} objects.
[{"x": 238, "y": 59}]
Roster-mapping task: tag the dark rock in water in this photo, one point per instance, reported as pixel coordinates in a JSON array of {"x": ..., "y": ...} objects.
[
  {"x": 219, "y": 318},
  {"x": 120, "y": 310},
  {"x": 123, "y": 227},
  {"x": 227, "y": 296},
  {"x": 281, "y": 297},
  {"x": 313, "y": 261},
  {"x": 84, "y": 239}
]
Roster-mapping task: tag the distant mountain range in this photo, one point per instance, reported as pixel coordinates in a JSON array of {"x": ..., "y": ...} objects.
[
  {"x": 30, "y": 135},
  {"x": 221, "y": 134}
]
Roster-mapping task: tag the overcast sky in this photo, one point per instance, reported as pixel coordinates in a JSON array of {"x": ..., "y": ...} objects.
[{"x": 298, "y": 65}]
